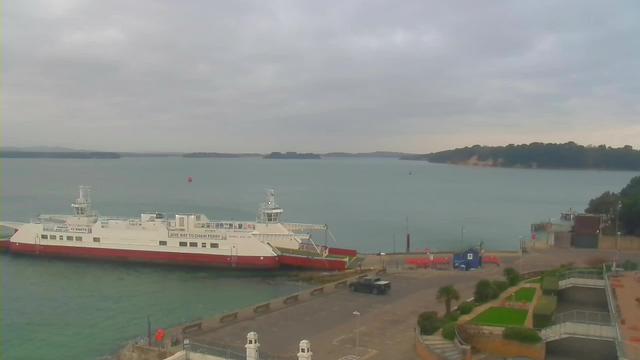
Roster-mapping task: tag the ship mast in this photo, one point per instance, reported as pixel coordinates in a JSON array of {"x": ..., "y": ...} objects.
[{"x": 82, "y": 206}]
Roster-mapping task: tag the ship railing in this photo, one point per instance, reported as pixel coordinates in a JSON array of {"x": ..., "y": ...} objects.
[
  {"x": 11, "y": 224},
  {"x": 300, "y": 226}
]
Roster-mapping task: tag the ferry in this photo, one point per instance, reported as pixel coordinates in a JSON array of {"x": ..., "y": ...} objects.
[{"x": 180, "y": 239}]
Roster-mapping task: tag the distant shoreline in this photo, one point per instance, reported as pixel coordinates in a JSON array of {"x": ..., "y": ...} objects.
[
  {"x": 59, "y": 155},
  {"x": 568, "y": 156},
  {"x": 292, "y": 155}
]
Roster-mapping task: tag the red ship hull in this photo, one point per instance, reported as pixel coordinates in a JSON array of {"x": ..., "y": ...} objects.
[{"x": 168, "y": 258}]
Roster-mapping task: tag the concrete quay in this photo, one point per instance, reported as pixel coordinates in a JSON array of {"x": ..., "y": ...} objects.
[{"x": 385, "y": 327}]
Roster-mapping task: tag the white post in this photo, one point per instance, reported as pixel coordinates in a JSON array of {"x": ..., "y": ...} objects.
[
  {"x": 357, "y": 332},
  {"x": 305, "y": 350},
  {"x": 252, "y": 346}
]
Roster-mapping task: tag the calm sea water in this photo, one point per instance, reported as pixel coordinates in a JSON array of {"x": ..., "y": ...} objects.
[{"x": 84, "y": 310}]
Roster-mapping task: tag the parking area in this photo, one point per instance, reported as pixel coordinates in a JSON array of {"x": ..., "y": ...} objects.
[{"x": 385, "y": 326}]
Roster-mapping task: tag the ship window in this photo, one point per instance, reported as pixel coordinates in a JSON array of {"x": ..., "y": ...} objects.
[
  {"x": 163, "y": 243},
  {"x": 78, "y": 238},
  {"x": 239, "y": 226},
  {"x": 204, "y": 245},
  {"x": 193, "y": 244},
  {"x": 214, "y": 245},
  {"x": 96, "y": 239},
  {"x": 70, "y": 238},
  {"x": 268, "y": 216},
  {"x": 183, "y": 243},
  {"x": 43, "y": 236},
  {"x": 52, "y": 237}
]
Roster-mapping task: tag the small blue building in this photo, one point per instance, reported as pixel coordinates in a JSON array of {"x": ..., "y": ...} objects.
[{"x": 468, "y": 259}]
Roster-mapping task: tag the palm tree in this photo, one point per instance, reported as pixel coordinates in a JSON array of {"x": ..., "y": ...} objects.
[{"x": 446, "y": 294}]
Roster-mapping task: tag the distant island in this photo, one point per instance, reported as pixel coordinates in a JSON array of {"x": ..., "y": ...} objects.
[
  {"x": 291, "y": 155},
  {"x": 218, "y": 155},
  {"x": 375, "y": 154},
  {"x": 539, "y": 155},
  {"x": 57, "y": 155}
]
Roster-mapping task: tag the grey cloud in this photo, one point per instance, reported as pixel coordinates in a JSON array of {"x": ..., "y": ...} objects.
[{"x": 317, "y": 75}]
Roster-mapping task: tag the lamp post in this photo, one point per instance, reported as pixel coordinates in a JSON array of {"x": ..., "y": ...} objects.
[
  {"x": 462, "y": 239},
  {"x": 357, "y": 332},
  {"x": 521, "y": 252},
  {"x": 617, "y": 234}
]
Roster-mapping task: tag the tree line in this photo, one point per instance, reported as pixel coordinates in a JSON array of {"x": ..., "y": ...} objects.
[
  {"x": 623, "y": 207},
  {"x": 540, "y": 155}
]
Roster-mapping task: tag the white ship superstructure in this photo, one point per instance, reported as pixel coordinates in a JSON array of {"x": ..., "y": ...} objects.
[{"x": 189, "y": 239}]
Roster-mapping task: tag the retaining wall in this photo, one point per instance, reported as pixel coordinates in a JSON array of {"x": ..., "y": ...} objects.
[
  {"x": 626, "y": 243},
  {"x": 508, "y": 348}
]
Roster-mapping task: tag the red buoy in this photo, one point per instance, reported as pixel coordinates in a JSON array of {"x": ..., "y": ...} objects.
[
  {"x": 190, "y": 180},
  {"x": 159, "y": 334}
]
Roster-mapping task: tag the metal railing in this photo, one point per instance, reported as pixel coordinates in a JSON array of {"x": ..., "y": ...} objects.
[
  {"x": 440, "y": 353},
  {"x": 583, "y": 317},
  {"x": 225, "y": 353},
  {"x": 235, "y": 352},
  {"x": 581, "y": 274}
]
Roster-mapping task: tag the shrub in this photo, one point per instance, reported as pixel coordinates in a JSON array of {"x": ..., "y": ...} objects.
[
  {"x": 543, "y": 311},
  {"x": 449, "y": 331},
  {"x": 484, "y": 292},
  {"x": 520, "y": 334},
  {"x": 512, "y": 275},
  {"x": 451, "y": 318},
  {"x": 429, "y": 322},
  {"x": 500, "y": 286},
  {"x": 465, "y": 307},
  {"x": 550, "y": 285}
]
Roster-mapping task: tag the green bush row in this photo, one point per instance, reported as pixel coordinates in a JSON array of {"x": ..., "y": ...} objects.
[
  {"x": 544, "y": 310},
  {"x": 521, "y": 334},
  {"x": 550, "y": 285}
]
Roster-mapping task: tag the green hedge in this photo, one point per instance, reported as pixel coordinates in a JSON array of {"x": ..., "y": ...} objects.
[
  {"x": 521, "y": 334},
  {"x": 465, "y": 307},
  {"x": 500, "y": 286},
  {"x": 451, "y": 318},
  {"x": 429, "y": 322},
  {"x": 485, "y": 291},
  {"x": 449, "y": 331},
  {"x": 550, "y": 285},
  {"x": 543, "y": 311}
]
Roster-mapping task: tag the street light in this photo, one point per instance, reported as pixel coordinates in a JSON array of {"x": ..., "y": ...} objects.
[
  {"x": 521, "y": 252},
  {"x": 617, "y": 234},
  {"x": 357, "y": 332}
]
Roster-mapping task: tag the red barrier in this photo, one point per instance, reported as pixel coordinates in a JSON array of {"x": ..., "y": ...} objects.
[
  {"x": 442, "y": 260},
  {"x": 426, "y": 262},
  {"x": 491, "y": 259}
]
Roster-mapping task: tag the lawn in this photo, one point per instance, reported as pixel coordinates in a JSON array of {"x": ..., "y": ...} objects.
[
  {"x": 497, "y": 316},
  {"x": 525, "y": 294},
  {"x": 537, "y": 280}
]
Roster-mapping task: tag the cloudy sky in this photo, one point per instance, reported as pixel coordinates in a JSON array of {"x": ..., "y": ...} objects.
[{"x": 245, "y": 76}]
